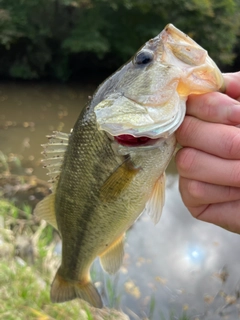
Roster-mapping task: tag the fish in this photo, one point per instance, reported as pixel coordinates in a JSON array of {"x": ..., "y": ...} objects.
[{"x": 111, "y": 167}]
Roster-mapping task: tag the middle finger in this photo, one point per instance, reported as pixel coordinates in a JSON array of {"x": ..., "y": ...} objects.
[
  {"x": 216, "y": 139},
  {"x": 197, "y": 165}
]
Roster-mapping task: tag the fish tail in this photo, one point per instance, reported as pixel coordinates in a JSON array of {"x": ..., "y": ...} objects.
[{"x": 63, "y": 290}]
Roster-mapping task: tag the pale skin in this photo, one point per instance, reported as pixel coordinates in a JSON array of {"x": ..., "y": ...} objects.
[{"x": 209, "y": 162}]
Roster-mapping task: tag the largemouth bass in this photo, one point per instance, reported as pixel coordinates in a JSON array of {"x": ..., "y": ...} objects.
[{"x": 111, "y": 166}]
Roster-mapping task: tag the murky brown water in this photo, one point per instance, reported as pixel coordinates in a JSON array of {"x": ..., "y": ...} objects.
[
  {"x": 175, "y": 265},
  {"x": 29, "y": 112}
]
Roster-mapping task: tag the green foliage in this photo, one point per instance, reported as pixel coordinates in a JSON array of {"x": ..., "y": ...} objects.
[
  {"x": 61, "y": 38},
  {"x": 8, "y": 210},
  {"x": 27, "y": 210},
  {"x": 24, "y": 289},
  {"x": 24, "y": 295}
]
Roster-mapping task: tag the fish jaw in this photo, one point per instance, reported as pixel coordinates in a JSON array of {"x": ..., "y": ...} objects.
[
  {"x": 119, "y": 115},
  {"x": 149, "y": 100}
]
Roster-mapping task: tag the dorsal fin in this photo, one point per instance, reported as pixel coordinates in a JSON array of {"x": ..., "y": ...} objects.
[{"x": 54, "y": 152}]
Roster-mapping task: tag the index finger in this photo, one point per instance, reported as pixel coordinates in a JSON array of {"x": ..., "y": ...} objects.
[
  {"x": 232, "y": 83},
  {"x": 216, "y": 106}
]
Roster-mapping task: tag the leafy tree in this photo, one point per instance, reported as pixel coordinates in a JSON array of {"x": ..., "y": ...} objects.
[{"x": 60, "y": 38}]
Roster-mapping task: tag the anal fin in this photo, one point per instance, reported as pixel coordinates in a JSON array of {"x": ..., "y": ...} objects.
[
  {"x": 111, "y": 259},
  {"x": 156, "y": 201},
  {"x": 45, "y": 210}
]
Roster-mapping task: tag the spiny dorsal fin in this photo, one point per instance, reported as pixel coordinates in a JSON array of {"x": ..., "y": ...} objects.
[
  {"x": 111, "y": 259},
  {"x": 54, "y": 152},
  {"x": 156, "y": 201}
]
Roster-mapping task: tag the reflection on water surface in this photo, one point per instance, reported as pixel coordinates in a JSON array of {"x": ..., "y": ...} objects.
[{"x": 175, "y": 266}]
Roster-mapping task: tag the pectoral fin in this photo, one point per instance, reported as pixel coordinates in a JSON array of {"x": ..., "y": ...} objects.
[
  {"x": 156, "y": 201},
  {"x": 45, "y": 210},
  {"x": 112, "y": 258},
  {"x": 118, "y": 181}
]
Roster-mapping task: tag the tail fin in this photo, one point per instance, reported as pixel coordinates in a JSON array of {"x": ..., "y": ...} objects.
[{"x": 63, "y": 290}]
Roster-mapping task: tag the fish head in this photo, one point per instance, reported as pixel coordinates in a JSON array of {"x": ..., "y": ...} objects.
[{"x": 146, "y": 98}]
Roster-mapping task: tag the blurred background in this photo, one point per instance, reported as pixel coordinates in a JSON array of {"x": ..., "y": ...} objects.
[
  {"x": 53, "y": 55},
  {"x": 65, "y": 40}
]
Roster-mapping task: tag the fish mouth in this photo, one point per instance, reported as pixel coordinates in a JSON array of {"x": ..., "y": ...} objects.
[{"x": 128, "y": 140}]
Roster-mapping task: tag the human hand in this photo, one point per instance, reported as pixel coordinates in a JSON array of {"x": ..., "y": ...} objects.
[{"x": 209, "y": 162}]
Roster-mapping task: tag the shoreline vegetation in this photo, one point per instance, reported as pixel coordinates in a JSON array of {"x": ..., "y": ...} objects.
[
  {"x": 65, "y": 39},
  {"x": 28, "y": 262}
]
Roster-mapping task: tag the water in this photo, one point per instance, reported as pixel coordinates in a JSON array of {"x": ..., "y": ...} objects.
[
  {"x": 174, "y": 266},
  {"x": 29, "y": 112}
]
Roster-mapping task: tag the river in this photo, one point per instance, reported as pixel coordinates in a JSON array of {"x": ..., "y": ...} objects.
[{"x": 179, "y": 265}]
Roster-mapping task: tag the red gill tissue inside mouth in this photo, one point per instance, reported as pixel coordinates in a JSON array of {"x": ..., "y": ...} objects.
[{"x": 131, "y": 141}]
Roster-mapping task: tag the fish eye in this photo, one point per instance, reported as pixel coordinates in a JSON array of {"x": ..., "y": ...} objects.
[{"x": 143, "y": 57}]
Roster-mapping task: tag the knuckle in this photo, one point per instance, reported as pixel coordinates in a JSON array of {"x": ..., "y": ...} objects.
[
  {"x": 185, "y": 130},
  {"x": 189, "y": 132},
  {"x": 235, "y": 175},
  {"x": 232, "y": 145},
  {"x": 208, "y": 107},
  {"x": 196, "y": 190},
  {"x": 185, "y": 161},
  {"x": 190, "y": 191},
  {"x": 229, "y": 192}
]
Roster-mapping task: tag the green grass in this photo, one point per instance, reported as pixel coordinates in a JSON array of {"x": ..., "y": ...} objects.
[
  {"x": 24, "y": 289},
  {"x": 8, "y": 210},
  {"x": 24, "y": 295}
]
